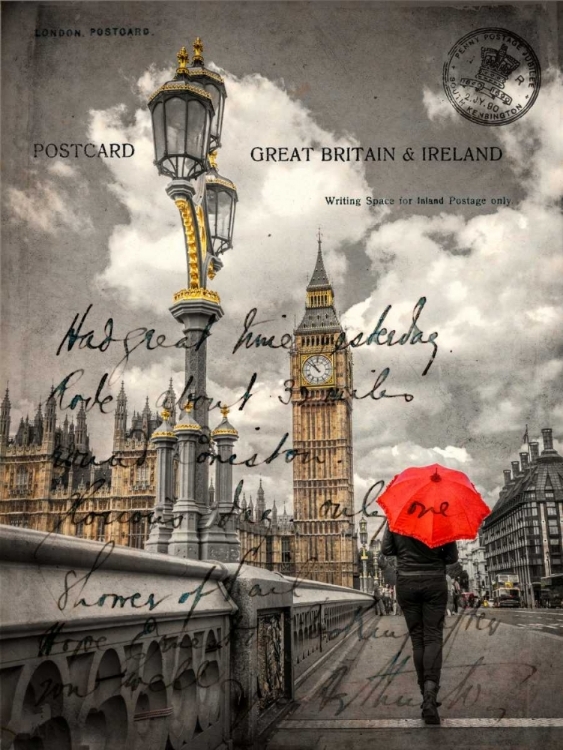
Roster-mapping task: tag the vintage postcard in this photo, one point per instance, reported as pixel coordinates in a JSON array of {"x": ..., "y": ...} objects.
[{"x": 281, "y": 420}]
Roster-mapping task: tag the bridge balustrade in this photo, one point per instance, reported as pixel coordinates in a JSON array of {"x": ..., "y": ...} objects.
[{"x": 109, "y": 648}]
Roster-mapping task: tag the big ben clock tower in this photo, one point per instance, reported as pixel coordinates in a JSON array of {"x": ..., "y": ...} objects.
[{"x": 323, "y": 493}]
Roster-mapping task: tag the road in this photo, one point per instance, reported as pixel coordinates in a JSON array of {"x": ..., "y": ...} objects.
[
  {"x": 544, "y": 620},
  {"x": 502, "y": 682}
]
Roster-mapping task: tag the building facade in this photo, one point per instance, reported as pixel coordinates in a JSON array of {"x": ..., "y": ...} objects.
[
  {"x": 50, "y": 479},
  {"x": 267, "y": 538},
  {"x": 523, "y": 534},
  {"x": 473, "y": 560}
]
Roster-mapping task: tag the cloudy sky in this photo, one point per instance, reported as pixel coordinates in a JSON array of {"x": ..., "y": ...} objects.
[{"x": 80, "y": 231}]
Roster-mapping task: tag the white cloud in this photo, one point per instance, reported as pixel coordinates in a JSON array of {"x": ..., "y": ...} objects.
[
  {"x": 50, "y": 206},
  {"x": 62, "y": 169},
  {"x": 459, "y": 455},
  {"x": 437, "y": 105},
  {"x": 394, "y": 458},
  {"x": 281, "y": 204},
  {"x": 494, "y": 290}
]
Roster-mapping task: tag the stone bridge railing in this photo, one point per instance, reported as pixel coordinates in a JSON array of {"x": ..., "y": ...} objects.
[{"x": 105, "y": 647}]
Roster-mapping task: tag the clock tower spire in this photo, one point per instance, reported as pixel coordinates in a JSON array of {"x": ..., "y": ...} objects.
[{"x": 322, "y": 432}]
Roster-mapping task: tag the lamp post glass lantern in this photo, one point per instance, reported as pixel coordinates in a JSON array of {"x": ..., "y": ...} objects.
[
  {"x": 214, "y": 85},
  {"x": 182, "y": 112},
  {"x": 221, "y": 197}
]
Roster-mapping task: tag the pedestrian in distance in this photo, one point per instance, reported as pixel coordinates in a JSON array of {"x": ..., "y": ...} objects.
[
  {"x": 378, "y": 601},
  {"x": 428, "y": 508},
  {"x": 450, "y": 603},
  {"x": 456, "y": 594}
]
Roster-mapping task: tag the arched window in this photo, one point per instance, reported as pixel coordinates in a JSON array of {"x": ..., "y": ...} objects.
[
  {"x": 22, "y": 478},
  {"x": 142, "y": 475},
  {"x": 137, "y": 531},
  {"x": 101, "y": 529}
]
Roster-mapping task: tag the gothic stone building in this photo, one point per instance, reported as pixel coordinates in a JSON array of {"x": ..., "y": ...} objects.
[
  {"x": 523, "y": 534},
  {"x": 267, "y": 538},
  {"x": 319, "y": 541},
  {"x": 50, "y": 479},
  {"x": 323, "y": 491}
]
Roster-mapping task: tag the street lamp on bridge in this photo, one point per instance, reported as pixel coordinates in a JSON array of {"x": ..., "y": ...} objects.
[
  {"x": 364, "y": 554},
  {"x": 187, "y": 120}
]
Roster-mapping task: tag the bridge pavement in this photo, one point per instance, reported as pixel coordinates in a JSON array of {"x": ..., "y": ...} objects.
[{"x": 502, "y": 686}]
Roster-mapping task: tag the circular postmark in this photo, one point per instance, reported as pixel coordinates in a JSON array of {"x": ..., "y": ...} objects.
[{"x": 492, "y": 76}]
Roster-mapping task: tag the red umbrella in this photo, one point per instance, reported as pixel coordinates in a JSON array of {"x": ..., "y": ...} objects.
[{"x": 433, "y": 504}]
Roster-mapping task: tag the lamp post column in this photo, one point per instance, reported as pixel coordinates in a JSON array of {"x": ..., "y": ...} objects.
[
  {"x": 196, "y": 316},
  {"x": 184, "y": 541},
  {"x": 225, "y": 436},
  {"x": 364, "y": 586},
  {"x": 164, "y": 440}
]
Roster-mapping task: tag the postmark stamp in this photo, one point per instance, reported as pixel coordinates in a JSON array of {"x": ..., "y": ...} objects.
[{"x": 492, "y": 76}]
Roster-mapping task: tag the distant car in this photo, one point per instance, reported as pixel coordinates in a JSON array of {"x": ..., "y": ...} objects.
[
  {"x": 505, "y": 600},
  {"x": 508, "y": 603},
  {"x": 551, "y": 601}
]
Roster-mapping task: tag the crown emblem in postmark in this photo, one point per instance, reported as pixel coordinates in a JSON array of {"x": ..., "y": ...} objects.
[{"x": 492, "y": 76}]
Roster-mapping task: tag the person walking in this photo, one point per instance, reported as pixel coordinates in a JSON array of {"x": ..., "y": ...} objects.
[
  {"x": 450, "y": 604},
  {"x": 456, "y": 594},
  {"x": 378, "y": 601},
  {"x": 422, "y": 594},
  {"x": 428, "y": 508}
]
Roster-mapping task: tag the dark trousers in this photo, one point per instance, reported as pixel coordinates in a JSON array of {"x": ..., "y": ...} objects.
[{"x": 423, "y": 600}]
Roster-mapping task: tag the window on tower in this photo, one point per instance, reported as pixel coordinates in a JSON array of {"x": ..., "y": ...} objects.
[
  {"x": 142, "y": 476},
  {"x": 101, "y": 529},
  {"x": 23, "y": 477},
  {"x": 137, "y": 531}
]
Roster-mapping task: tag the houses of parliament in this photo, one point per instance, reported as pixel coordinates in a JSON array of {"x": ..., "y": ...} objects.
[{"x": 51, "y": 481}]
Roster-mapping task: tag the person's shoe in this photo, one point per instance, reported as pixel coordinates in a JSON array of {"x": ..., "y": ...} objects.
[
  {"x": 438, "y": 704},
  {"x": 429, "y": 703}
]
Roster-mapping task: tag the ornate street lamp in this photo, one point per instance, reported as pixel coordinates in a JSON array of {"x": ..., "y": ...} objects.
[
  {"x": 187, "y": 118},
  {"x": 364, "y": 554},
  {"x": 363, "y": 532}
]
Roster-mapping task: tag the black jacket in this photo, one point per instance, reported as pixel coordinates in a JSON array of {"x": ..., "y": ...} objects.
[{"x": 414, "y": 556}]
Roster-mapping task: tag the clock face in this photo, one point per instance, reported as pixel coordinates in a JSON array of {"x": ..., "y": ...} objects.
[{"x": 317, "y": 369}]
